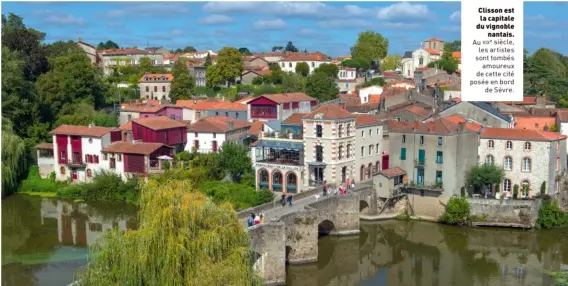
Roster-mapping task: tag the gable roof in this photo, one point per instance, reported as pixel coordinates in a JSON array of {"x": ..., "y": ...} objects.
[
  {"x": 470, "y": 125},
  {"x": 217, "y": 124},
  {"x": 125, "y": 51},
  {"x": 256, "y": 127},
  {"x": 245, "y": 100},
  {"x": 432, "y": 51},
  {"x": 305, "y": 58},
  {"x": 536, "y": 123},
  {"x": 218, "y": 105},
  {"x": 489, "y": 109},
  {"x": 365, "y": 120},
  {"x": 329, "y": 112},
  {"x": 79, "y": 130},
  {"x": 520, "y": 134},
  {"x": 412, "y": 109},
  {"x": 189, "y": 103},
  {"x": 437, "y": 126},
  {"x": 159, "y": 123},
  {"x": 392, "y": 172},
  {"x": 288, "y": 97},
  {"x": 44, "y": 146},
  {"x": 156, "y": 77},
  {"x": 294, "y": 119},
  {"x": 143, "y": 148},
  {"x": 433, "y": 40},
  {"x": 126, "y": 126},
  {"x": 144, "y": 108}
]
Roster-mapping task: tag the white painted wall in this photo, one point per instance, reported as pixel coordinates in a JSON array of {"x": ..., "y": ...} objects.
[
  {"x": 188, "y": 114},
  {"x": 287, "y": 66},
  {"x": 205, "y": 141},
  {"x": 365, "y": 92},
  {"x": 564, "y": 130},
  {"x": 346, "y": 74}
]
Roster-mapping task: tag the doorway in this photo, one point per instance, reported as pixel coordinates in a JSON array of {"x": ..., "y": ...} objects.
[
  {"x": 343, "y": 174},
  {"x": 74, "y": 174},
  {"x": 420, "y": 177}
]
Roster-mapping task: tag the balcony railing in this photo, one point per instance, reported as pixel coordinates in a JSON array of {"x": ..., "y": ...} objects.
[
  {"x": 278, "y": 135},
  {"x": 281, "y": 162},
  {"x": 76, "y": 163},
  {"x": 419, "y": 162}
]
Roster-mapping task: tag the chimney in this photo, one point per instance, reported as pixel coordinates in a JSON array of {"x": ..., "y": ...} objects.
[
  {"x": 541, "y": 100},
  {"x": 462, "y": 127}
]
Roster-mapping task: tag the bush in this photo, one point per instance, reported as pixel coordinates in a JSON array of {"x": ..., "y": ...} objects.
[
  {"x": 551, "y": 216},
  {"x": 264, "y": 196},
  {"x": 35, "y": 184},
  {"x": 543, "y": 189},
  {"x": 72, "y": 191},
  {"x": 457, "y": 212},
  {"x": 166, "y": 165},
  {"x": 109, "y": 186},
  {"x": 515, "y": 191},
  {"x": 239, "y": 195}
]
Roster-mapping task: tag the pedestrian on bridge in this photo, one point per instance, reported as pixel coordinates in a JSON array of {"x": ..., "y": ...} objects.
[
  {"x": 289, "y": 200},
  {"x": 324, "y": 187},
  {"x": 251, "y": 220},
  {"x": 283, "y": 200},
  {"x": 347, "y": 183}
]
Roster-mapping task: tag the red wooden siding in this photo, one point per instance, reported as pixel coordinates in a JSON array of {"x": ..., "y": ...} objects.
[
  {"x": 263, "y": 111},
  {"x": 171, "y": 136},
  {"x": 262, "y": 101},
  {"x": 61, "y": 141},
  {"x": 295, "y": 105},
  {"x": 115, "y": 136},
  {"x": 314, "y": 103},
  {"x": 134, "y": 163},
  {"x": 385, "y": 162},
  {"x": 76, "y": 148},
  {"x": 286, "y": 106}
]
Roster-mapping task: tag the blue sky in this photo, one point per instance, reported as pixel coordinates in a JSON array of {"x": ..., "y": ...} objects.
[{"x": 329, "y": 27}]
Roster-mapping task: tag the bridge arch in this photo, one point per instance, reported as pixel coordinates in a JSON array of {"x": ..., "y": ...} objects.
[
  {"x": 326, "y": 227},
  {"x": 363, "y": 206}
]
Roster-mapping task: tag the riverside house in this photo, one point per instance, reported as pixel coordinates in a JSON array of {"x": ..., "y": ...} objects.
[
  {"x": 160, "y": 129},
  {"x": 155, "y": 86},
  {"x": 138, "y": 158},
  {"x": 208, "y": 134},
  {"x": 279, "y": 106}
]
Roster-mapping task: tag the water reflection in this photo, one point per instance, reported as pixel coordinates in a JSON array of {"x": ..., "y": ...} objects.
[
  {"x": 417, "y": 253},
  {"x": 45, "y": 240}
]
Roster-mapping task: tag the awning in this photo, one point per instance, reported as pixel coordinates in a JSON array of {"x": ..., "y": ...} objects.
[
  {"x": 317, "y": 164},
  {"x": 165, "y": 157},
  {"x": 279, "y": 144}
]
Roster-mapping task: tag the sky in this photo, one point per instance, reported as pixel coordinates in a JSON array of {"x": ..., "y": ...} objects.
[{"x": 329, "y": 27}]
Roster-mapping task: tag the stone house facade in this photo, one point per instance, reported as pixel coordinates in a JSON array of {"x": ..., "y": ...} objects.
[
  {"x": 368, "y": 140},
  {"x": 128, "y": 56},
  {"x": 155, "y": 86},
  {"x": 529, "y": 157}
]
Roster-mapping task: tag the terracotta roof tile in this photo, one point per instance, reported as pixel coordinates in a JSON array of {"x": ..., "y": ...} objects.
[
  {"x": 189, "y": 103},
  {"x": 143, "y": 148},
  {"x": 350, "y": 99},
  {"x": 365, "y": 119},
  {"x": 152, "y": 77},
  {"x": 218, "y": 105},
  {"x": 294, "y": 119},
  {"x": 433, "y": 40},
  {"x": 374, "y": 98},
  {"x": 397, "y": 125},
  {"x": 439, "y": 126},
  {"x": 217, "y": 124},
  {"x": 244, "y": 100},
  {"x": 329, "y": 112},
  {"x": 528, "y": 100},
  {"x": 145, "y": 108},
  {"x": 562, "y": 115},
  {"x": 159, "y": 122},
  {"x": 256, "y": 128},
  {"x": 470, "y": 125},
  {"x": 44, "y": 146},
  {"x": 457, "y": 55},
  {"x": 520, "y": 134},
  {"x": 432, "y": 51},
  {"x": 392, "y": 172},
  {"x": 78, "y": 130},
  {"x": 536, "y": 123},
  {"x": 412, "y": 109},
  {"x": 126, "y": 126},
  {"x": 125, "y": 51},
  {"x": 306, "y": 58},
  {"x": 288, "y": 97}
]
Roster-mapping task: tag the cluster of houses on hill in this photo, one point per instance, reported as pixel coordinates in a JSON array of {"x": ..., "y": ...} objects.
[{"x": 410, "y": 131}]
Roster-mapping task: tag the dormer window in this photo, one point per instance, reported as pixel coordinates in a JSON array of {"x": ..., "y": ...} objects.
[{"x": 146, "y": 78}]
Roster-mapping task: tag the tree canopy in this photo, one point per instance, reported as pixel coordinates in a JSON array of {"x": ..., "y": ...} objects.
[
  {"x": 235, "y": 159},
  {"x": 183, "y": 83},
  {"x": 245, "y": 51},
  {"x": 303, "y": 69},
  {"x": 229, "y": 67},
  {"x": 545, "y": 71},
  {"x": 453, "y": 46},
  {"x": 321, "y": 86},
  {"x": 450, "y": 66},
  {"x": 330, "y": 70},
  {"x": 391, "y": 63},
  {"x": 277, "y": 48},
  {"x": 484, "y": 174},
  {"x": 188, "y": 49},
  {"x": 107, "y": 45},
  {"x": 370, "y": 46},
  {"x": 290, "y": 47}
]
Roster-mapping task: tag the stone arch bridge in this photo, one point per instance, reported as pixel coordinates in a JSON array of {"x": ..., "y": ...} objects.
[{"x": 291, "y": 236}]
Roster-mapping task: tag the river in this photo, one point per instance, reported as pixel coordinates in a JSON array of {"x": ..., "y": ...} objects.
[{"x": 45, "y": 240}]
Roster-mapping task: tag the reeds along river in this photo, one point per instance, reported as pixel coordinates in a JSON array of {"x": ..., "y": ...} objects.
[{"x": 45, "y": 240}]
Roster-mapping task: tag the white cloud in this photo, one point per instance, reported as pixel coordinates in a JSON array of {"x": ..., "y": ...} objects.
[
  {"x": 453, "y": 29},
  {"x": 148, "y": 9},
  {"x": 399, "y": 25},
  {"x": 215, "y": 19},
  {"x": 311, "y": 34},
  {"x": 403, "y": 11},
  {"x": 58, "y": 18},
  {"x": 456, "y": 16},
  {"x": 338, "y": 24},
  {"x": 538, "y": 17},
  {"x": 276, "y": 24}
]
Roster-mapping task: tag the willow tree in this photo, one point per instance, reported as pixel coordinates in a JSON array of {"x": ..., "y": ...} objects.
[
  {"x": 183, "y": 239},
  {"x": 14, "y": 159}
]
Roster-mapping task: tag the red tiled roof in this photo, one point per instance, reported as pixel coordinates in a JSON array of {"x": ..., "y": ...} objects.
[
  {"x": 374, "y": 98},
  {"x": 125, "y": 51},
  {"x": 529, "y": 100},
  {"x": 159, "y": 122},
  {"x": 330, "y": 112},
  {"x": 44, "y": 146},
  {"x": 189, "y": 103},
  {"x": 470, "y": 125},
  {"x": 244, "y": 100},
  {"x": 433, "y": 40},
  {"x": 305, "y": 58},
  {"x": 218, "y": 124},
  {"x": 172, "y": 57},
  {"x": 457, "y": 55},
  {"x": 562, "y": 115},
  {"x": 413, "y": 109},
  {"x": 295, "y": 119},
  {"x": 536, "y": 123},
  {"x": 288, "y": 97},
  {"x": 392, "y": 172},
  {"x": 440, "y": 125},
  {"x": 432, "y": 51},
  {"x": 350, "y": 99},
  {"x": 218, "y": 105},
  {"x": 143, "y": 148},
  {"x": 79, "y": 130},
  {"x": 397, "y": 125},
  {"x": 146, "y": 108},
  {"x": 256, "y": 128},
  {"x": 126, "y": 126},
  {"x": 389, "y": 73},
  {"x": 520, "y": 134},
  {"x": 365, "y": 119},
  {"x": 157, "y": 77}
]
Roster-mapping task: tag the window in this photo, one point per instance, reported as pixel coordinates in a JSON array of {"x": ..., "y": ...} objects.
[
  {"x": 421, "y": 61},
  {"x": 105, "y": 156},
  {"x": 377, "y": 148},
  {"x": 147, "y": 89},
  {"x": 348, "y": 155},
  {"x": 439, "y": 141},
  {"x": 526, "y": 167},
  {"x": 163, "y": 89},
  {"x": 119, "y": 157},
  {"x": 216, "y": 113},
  {"x": 283, "y": 65},
  {"x": 489, "y": 160},
  {"x": 196, "y": 144},
  {"x": 319, "y": 131},
  {"x": 421, "y": 140},
  {"x": 527, "y": 146},
  {"x": 289, "y": 65},
  {"x": 370, "y": 150},
  {"x": 403, "y": 154},
  {"x": 89, "y": 174},
  {"x": 362, "y": 134},
  {"x": 196, "y": 134},
  {"x": 507, "y": 185},
  {"x": 439, "y": 157},
  {"x": 362, "y": 151},
  {"x": 557, "y": 163},
  {"x": 378, "y": 131},
  {"x": 286, "y": 106},
  {"x": 62, "y": 170},
  {"x": 340, "y": 151},
  {"x": 490, "y": 144},
  {"x": 319, "y": 153},
  {"x": 509, "y": 145},
  {"x": 155, "y": 89},
  {"x": 313, "y": 64},
  {"x": 214, "y": 135},
  {"x": 403, "y": 138},
  {"x": 438, "y": 177},
  {"x": 348, "y": 129},
  {"x": 508, "y": 163},
  {"x": 129, "y": 117},
  {"x": 370, "y": 133},
  {"x": 295, "y": 105},
  {"x": 96, "y": 159},
  {"x": 214, "y": 146},
  {"x": 340, "y": 130}
]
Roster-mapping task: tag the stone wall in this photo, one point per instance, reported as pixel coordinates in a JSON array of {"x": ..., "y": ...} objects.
[
  {"x": 267, "y": 242},
  {"x": 505, "y": 213},
  {"x": 428, "y": 205},
  {"x": 268, "y": 206}
]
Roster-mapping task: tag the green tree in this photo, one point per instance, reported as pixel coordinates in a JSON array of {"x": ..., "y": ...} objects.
[
  {"x": 235, "y": 159},
  {"x": 370, "y": 46},
  {"x": 107, "y": 45},
  {"x": 14, "y": 159},
  {"x": 208, "y": 61},
  {"x": 482, "y": 175},
  {"x": 374, "y": 81},
  {"x": 61, "y": 48},
  {"x": 244, "y": 51},
  {"x": 146, "y": 66},
  {"x": 188, "y": 49},
  {"x": 360, "y": 64},
  {"x": 322, "y": 87},
  {"x": 258, "y": 80},
  {"x": 290, "y": 47},
  {"x": 293, "y": 83},
  {"x": 83, "y": 113},
  {"x": 229, "y": 67},
  {"x": 277, "y": 74},
  {"x": 391, "y": 63},
  {"x": 277, "y": 48},
  {"x": 303, "y": 69},
  {"x": 330, "y": 70},
  {"x": 161, "y": 252},
  {"x": 453, "y": 46},
  {"x": 449, "y": 66},
  {"x": 183, "y": 83}
]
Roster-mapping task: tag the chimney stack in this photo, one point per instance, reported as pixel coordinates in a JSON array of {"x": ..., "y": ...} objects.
[{"x": 462, "y": 127}]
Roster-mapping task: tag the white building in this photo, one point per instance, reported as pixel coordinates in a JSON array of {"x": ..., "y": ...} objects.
[
  {"x": 370, "y": 150},
  {"x": 418, "y": 59},
  {"x": 155, "y": 86},
  {"x": 364, "y": 93},
  {"x": 346, "y": 73},
  {"x": 209, "y": 133},
  {"x": 288, "y": 63},
  {"x": 529, "y": 157},
  {"x": 199, "y": 55}
]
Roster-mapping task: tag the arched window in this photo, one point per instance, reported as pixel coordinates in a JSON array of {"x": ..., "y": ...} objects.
[
  {"x": 509, "y": 145},
  {"x": 489, "y": 160},
  {"x": 508, "y": 163},
  {"x": 62, "y": 170},
  {"x": 507, "y": 185},
  {"x": 319, "y": 131},
  {"x": 490, "y": 143},
  {"x": 291, "y": 180},
  {"x": 526, "y": 167},
  {"x": 277, "y": 178},
  {"x": 340, "y": 152},
  {"x": 89, "y": 174},
  {"x": 377, "y": 166},
  {"x": 263, "y": 176},
  {"x": 340, "y": 131},
  {"x": 369, "y": 170},
  {"x": 421, "y": 61},
  {"x": 348, "y": 151},
  {"x": 527, "y": 146}
]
